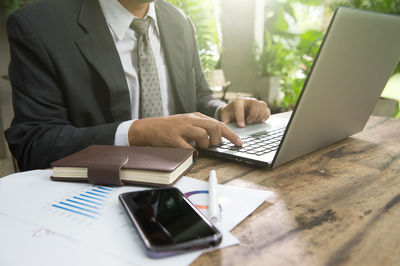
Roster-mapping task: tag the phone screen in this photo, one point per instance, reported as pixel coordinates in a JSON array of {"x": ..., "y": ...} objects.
[{"x": 166, "y": 217}]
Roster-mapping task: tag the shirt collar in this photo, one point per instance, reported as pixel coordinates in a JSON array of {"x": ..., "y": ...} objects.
[{"x": 119, "y": 19}]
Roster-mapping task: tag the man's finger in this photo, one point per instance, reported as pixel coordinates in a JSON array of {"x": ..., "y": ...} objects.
[
  {"x": 180, "y": 142},
  {"x": 254, "y": 112},
  {"x": 212, "y": 127},
  {"x": 197, "y": 134},
  {"x": 230, "y": 135},
  {"x": 266, "y": 115},
  {"x": 239, "y": 112},
  {"x": 226, "y": 117}
]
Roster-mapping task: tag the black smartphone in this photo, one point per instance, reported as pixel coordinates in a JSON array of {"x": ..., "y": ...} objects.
[{"x": 168, "y": 222}]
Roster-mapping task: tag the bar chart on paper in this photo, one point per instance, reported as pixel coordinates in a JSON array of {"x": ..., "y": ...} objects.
[{"x": 83, "y": 206}]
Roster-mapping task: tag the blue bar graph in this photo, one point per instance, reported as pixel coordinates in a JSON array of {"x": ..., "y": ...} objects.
[
  {"x": 96, "y": 194},
  {"x": 91, "y": 201},
  {"x": 90, "y": 197},
  {"x": 80, "y": 208},
  {"x": 81, "y": 203},
  {"x": 105, "y": 188},
  {"x": 84, "y": 214},
  {"x": 87, "y": 203},
  {"x": 104, "y": 192}
]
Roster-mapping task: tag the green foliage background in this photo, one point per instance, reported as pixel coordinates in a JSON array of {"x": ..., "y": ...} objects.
[
  {"x": 11, "y": 5},
  {"x": 287, "y": 55},
  {"x": 204, "y": 16}
]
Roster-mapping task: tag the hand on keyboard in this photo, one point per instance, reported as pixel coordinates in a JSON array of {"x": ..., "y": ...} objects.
[
  {"x": 257, "y": 144},
  {"x": 243, "y": 110}
]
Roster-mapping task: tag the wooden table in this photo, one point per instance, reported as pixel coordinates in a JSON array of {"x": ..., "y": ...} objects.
[{"x": 337, "y": 206}]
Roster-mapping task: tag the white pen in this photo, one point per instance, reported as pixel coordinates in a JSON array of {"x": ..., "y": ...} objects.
[{"x": 213, "y": 208}]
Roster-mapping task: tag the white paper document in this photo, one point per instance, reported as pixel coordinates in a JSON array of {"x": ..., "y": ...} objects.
[
  {"x": 22, "y": 243},
  {"x": 78, "y": 216}
]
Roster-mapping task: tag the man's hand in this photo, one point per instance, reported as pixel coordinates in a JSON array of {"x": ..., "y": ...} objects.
[
  {"x": 244, "y": 110},
  {"x": 177, "y": 130}
]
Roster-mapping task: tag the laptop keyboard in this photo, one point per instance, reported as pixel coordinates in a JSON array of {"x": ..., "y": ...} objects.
[{"x": 257, "y": 144}]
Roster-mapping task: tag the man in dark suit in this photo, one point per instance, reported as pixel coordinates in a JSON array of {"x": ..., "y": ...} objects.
[{"x": 75, "y": 82}]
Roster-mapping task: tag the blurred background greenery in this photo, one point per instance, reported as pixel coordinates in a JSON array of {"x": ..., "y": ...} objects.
[
  {"x": 204, "y": 15},
  {"x": 294, "y": 30}
]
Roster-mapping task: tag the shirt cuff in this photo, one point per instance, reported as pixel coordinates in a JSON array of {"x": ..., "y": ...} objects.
[{"x": 121, "y": 135}]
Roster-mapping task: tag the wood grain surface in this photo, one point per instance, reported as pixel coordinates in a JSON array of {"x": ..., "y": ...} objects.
[{"x": 337, "y": 206}]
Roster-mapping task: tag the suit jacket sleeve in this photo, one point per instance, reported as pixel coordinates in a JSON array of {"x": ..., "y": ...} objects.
[
  {"x": 207, "y": 103},
  {"x": 41, "y": 131}
]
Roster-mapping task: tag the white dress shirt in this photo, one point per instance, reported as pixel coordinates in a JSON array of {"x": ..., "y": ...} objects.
[{"x": 119, "y": 20}]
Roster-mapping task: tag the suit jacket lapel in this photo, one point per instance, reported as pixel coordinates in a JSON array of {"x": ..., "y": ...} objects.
[
  {"x": 99, "y": 49},
  {"x": 171, "y": 34}
]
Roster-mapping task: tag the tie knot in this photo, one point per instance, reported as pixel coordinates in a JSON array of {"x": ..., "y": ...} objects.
[{"x": 141, "y": 25}]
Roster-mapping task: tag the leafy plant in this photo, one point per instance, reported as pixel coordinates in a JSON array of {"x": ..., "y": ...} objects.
[
  {"x": 11, "y": 5},
  {"x": 286, "y": 53},
  {"x": 306, "y": 50},
  {"x": 305, "y": 45},
  {"x": 203, "y": 15},
  {"x": 274, "y": 57}
]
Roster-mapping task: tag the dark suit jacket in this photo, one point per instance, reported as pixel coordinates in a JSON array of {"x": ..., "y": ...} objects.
[{"x": 69, "y": 88}]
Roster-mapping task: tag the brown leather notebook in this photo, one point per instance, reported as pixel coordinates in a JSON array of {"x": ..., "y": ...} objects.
[{"x": 119, "y": 165}]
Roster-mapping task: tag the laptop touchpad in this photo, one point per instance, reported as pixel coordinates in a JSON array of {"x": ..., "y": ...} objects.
[{"x": 271, "y": 124}]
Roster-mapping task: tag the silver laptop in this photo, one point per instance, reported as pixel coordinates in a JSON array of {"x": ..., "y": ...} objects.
[{"x": 356, "y": 58}]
